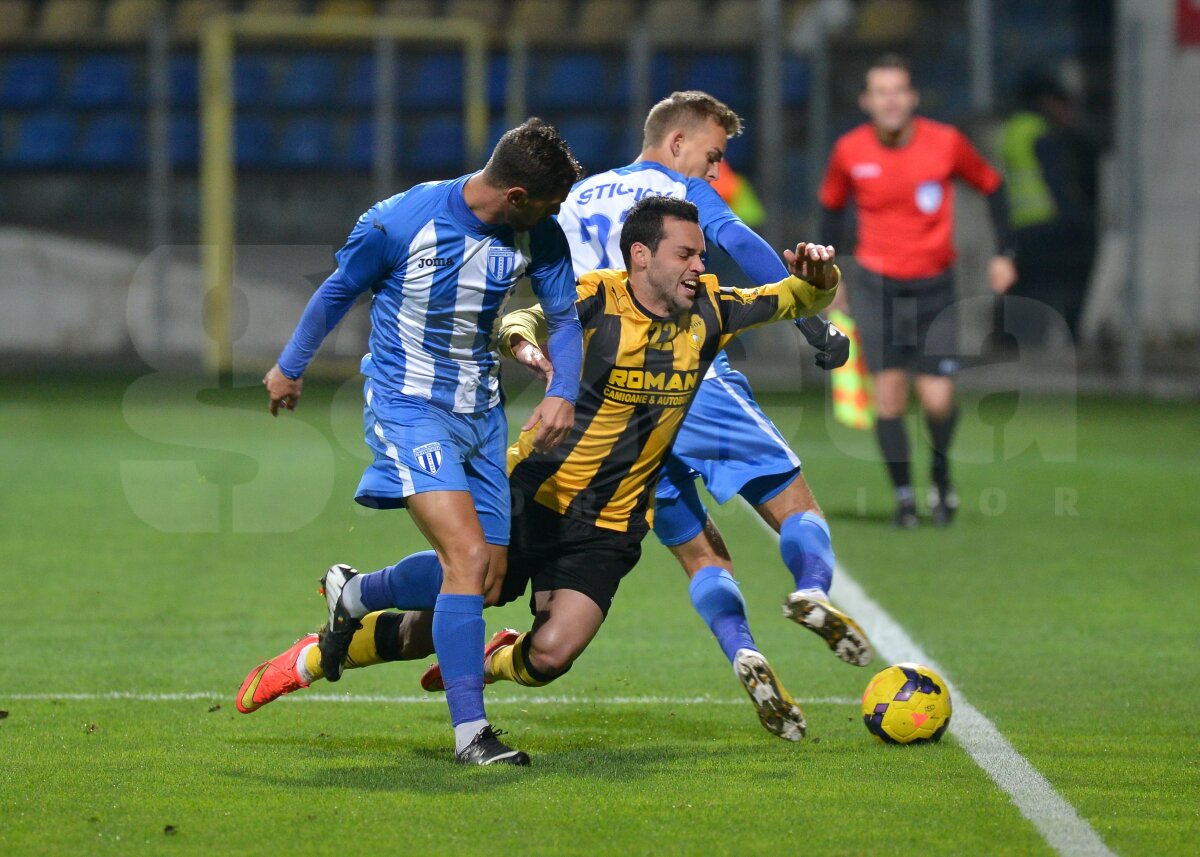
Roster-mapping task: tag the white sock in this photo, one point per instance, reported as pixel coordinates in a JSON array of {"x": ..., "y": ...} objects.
[
  {"x": 464, "y": 733},
  {"x": 302, "y": 664},
  {"x": 352, "y": 597}
]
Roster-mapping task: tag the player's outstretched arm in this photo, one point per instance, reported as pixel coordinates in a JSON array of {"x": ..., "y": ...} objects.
[{"x": 283, "y": 391}]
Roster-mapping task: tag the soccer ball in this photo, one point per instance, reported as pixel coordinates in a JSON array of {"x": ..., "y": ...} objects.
[{"x": 906, "y": 704}]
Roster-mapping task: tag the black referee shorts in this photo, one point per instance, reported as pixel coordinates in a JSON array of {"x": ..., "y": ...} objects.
[
  {"x": 550, "y": 551},
  {"x": 906, "y": 324}
]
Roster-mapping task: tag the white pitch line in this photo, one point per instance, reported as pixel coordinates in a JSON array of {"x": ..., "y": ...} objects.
[
  {"x": 132, "y": 696},
  {"x": 1055, "y": 819}
]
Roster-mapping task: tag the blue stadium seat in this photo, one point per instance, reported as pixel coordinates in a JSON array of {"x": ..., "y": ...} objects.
[
  {"x": 306, "y": 143},
  {"x": 593, "y": 141},
  {"x": 496, "y": 129},
  {"x": 309, "y": 81},
  {"x": 724, "y": 76},
  {"x": 434, "y": 81},
  {"x": 184, "y": 75},
  {"x": 99, "y": 81},
  {"x": 662, "y": 77},
  {"x": 184, "y": 140},
  {"x": 360, "y": 85},
  {"x": 497, "y": 89},
  {"x": 43, "y": 140},
  {"x": 359, "y": 151},
  {"x": 30, "y": 80},
  {"x": 252, "y": 141},
  {"x": 251, "y": 81},
  {"x": 114, "y": 141},
  {"x": 583, "y": 81},
  {"x": 437, "y": 145},
  {"x": 797, "y": 78}
]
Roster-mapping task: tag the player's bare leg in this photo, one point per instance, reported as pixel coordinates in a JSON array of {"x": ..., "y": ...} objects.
[
  {"x": 891, "y": 403},
  {"x": 936, "y": 394}
]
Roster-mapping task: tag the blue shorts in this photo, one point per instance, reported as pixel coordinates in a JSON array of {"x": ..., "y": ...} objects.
[
  {"x": 729, "y": 442},
  {"x": 420, "y": 447}
]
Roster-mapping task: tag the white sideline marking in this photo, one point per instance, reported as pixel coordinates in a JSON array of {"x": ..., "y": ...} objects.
[
  {"x": 131, "y": 696},
  {"x": 1055, "y": 819}
]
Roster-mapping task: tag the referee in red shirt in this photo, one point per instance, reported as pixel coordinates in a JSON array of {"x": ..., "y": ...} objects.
[{"x": 898, "y": 167}]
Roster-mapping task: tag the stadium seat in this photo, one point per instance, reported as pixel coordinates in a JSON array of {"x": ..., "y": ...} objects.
[
  {"x": 408, "y": 9},
  {"x": 487, "y": 12},
  {"x": 437, "y": 146},
  {"x": 251, "y": 80},
  {"x": 30, "y": 80},
  {"x": 497, "y": 89},
  {"x": 101, "y": 80},
  {"x": 605, "y": 23},
  {"x": 252, "y": 141},
  {"x": 543, "y": 22},
  {"x": 797, "y": 77},
  {"x": 432, "y": 81},
  {"x": 132, "y": 20},
  {"x": 582, "y": 81},
  {"x": 190, "y": 16},
  {"x": 16, "y": 18},
  {"x": 735, "y": 23},
  {"x": 593, "y": 143},
  {"x": 345, "y": 9},
  {"x": 69, "y": 20},
  {"x": 183, "y": 75},
  {"x": 184, "y": 140},
  {"x": 886, "y": 22},
  {"x": 359, "y": 151},
  {"x": 724, "y": 76},
  {"x": 675, "y": 22},
  {"x": 115, "y": 141},
  {"x": 43, "y": 140},
  {"x": 309, "y": 80},
  {"x": 305, "y": 143}
]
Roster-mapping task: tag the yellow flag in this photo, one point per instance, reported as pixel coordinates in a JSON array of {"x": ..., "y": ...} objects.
[{"x": 852, "y": 401}]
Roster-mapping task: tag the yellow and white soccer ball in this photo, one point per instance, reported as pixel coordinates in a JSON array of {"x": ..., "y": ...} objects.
[{"x": 907, "y": 704}]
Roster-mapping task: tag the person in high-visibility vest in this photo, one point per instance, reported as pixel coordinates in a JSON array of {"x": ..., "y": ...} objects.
[{"x": 1050, "y": 177}]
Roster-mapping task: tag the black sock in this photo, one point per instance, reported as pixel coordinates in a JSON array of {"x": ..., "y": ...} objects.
[
  {"x": 387, "y": 636},
  {"x": 940, "y": 434},
  {"x": 893, "y": 441}
]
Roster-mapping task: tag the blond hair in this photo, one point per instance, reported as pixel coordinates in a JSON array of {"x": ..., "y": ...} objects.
[{"x": 685, "y": 110}]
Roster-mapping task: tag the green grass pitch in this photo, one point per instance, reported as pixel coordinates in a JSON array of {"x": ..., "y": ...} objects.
[{"x": 1063, "y": 603}]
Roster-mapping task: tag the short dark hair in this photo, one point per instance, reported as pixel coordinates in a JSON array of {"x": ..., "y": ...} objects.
[
  {"x": 536, "y": 157},
  {"x": 684, "y": 109},
  {"x": 889, "y": 60},
  {"x": 644, "y": 222}
]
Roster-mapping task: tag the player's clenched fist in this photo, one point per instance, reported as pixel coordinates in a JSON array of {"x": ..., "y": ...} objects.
[{"x": 813, "y": 263}]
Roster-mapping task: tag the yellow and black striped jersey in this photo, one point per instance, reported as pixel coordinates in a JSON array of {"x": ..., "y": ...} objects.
[{"x": 640, "y": 374}]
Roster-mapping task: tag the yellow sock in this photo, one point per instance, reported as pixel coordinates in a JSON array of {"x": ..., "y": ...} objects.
[
  {"x": 507, "y": 663},
  {"x": 362, "y": 652}
]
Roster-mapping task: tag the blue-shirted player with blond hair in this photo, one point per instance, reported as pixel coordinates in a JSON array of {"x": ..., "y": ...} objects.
[
  {"x": 726, "y": 438},
  {"x": 440, "y": 260}
]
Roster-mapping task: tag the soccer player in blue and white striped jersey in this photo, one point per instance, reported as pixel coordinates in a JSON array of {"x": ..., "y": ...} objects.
[{"x": 440, "y": 260}]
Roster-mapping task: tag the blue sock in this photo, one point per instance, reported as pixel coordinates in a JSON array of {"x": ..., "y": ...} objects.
[
  {"x": 807, "y": 550},
  {"x": 458, "y": 640},
  {"x": 411, "y": 584},
  {"x": 717, "y": 599}
]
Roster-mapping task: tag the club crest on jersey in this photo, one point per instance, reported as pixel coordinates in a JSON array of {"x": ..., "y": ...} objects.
[
  {"x": 929, "y": 196},
  {"x": 429, "y": 457},
  {"x": 500, "y": 263},
  {"x": 697, "y": 333}
]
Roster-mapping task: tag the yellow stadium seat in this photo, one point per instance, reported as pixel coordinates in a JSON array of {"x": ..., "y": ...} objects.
[
  {"x": 882, "y": 22},
  {"x": 544, "y": 22},
  {"x": 487, "y": 12},
  {"x": 69, "y": 20},
  {"x": 409, "y": 9},
  {"x": 676, "y": 22},
  {"x": 190, "y": 15},
  {"x": 735, "y": 22},
  {"x": 606, "y": 22},
  {"x": 131, "y": 20},
  {"x": 272, "y": 7},
  {"x": 15, "y": 18},
  {"x": 345, "y": 9}
]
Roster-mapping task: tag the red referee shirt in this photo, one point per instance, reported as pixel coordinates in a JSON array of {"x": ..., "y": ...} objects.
[{"x": 904, "y": 195}]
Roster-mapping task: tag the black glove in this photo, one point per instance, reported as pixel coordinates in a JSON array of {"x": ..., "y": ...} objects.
[{"x": 833, "y": 346}]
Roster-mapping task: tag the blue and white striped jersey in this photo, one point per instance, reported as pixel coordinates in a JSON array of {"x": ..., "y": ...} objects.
[{"x": 440, "y": 278}]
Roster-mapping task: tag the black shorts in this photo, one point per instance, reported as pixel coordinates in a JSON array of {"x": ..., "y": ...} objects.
[
  {"x": 551, "y": 551},
  {"x": 906, "y": 324}
]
